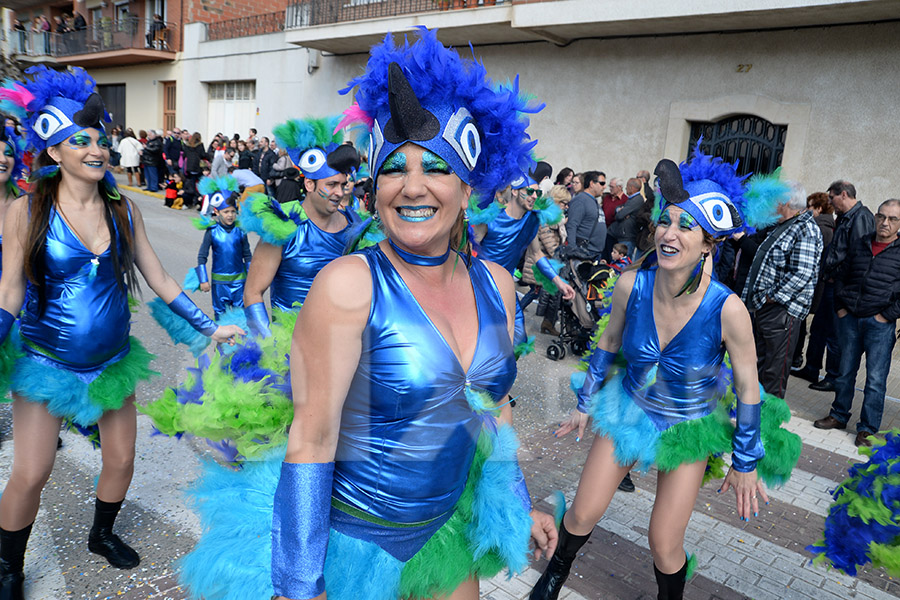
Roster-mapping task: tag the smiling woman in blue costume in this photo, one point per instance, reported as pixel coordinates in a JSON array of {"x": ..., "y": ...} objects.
[
  {"x": 400, "y": 477},
  {"x": 76, "y": 242},
  {"x": 668, "y": 406}
]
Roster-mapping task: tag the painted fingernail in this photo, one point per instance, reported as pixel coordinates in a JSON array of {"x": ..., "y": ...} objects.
[
  {"x": 756, "y": 514},
  {"x": 578, "y": 439},
  {"x": 767, "y": 502},
  {"x": 719, "y": 491}
]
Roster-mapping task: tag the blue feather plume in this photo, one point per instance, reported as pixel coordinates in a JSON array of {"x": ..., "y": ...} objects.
[
  {"x": 761, "y": 199},
  {"x": 191, "y": 281},
  {"x": 703, "y": 166},
  {"x": 481, "y": 216},
  {"x": 211, "y": 185},
  {"x": 43, "y": 173}
]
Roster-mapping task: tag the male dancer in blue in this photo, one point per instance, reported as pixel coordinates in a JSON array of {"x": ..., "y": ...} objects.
[
  {"x": 229, "y": 245},
  {"x": 505, "y": 237},
  {"x": 288, "y": 258}
]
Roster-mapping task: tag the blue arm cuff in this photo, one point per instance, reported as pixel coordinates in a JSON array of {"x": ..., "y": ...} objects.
[
  {"x": 546, "y": 268},
  {"x": 601, "y": 362},
  {"x": 300, "y": 526},
  {"x": 201, "y": 274},
  {"x": 6, "y": 322},
  {"x": 519, "y": 333},
  {"x": 746, "y": 443},
  {"x": 187, "y": 310},
  {"x": 257, "y": 320}
]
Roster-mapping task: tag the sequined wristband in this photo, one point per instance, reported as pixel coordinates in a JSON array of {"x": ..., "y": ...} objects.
[{"x": 300, "y": 526}]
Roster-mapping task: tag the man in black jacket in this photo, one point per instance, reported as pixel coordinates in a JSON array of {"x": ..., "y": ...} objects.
[
  {"x": 172, "y": 150},
  {"x": 265, "y": 158},
  {"x": 867, "y": 300},
  {"x": 152, "y": 159}
]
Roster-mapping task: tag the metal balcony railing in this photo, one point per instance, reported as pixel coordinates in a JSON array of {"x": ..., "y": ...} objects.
[
  {"x": 104, "y": 36},
  {"x": 245, "y": 26},
  {"x": 307, "y": 13}
]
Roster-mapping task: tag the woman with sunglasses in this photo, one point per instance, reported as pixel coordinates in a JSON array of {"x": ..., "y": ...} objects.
[
  {"x": 673, "y": 325},
  {"x": 75, "y": 241}
]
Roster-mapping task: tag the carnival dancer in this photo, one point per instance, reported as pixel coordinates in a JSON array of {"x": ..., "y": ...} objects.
[
  {"x": 504, "y": 233},
  {"x": 668, "y": 407},
  {"x": 297, "y": 239},
  {"x": 229, "y": 245},
  {"x": 12, "y": 151},
  {"x": 400, "y": 479},
  {"x": 76, "y": 241}
]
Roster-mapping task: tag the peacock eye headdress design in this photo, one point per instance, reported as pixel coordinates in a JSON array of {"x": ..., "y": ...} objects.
[
  {"x": 316, "y": 148},
  {"x": 53, "y": 105},
  {"x": 220, "y": 190},
  {"x": 427, "y": 94}
]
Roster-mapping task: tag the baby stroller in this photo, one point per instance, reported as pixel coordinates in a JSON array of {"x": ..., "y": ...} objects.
[{"x": 578, "y": 318}]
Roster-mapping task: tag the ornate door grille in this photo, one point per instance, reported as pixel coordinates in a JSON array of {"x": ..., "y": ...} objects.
[{"x": 757, "y": 144}]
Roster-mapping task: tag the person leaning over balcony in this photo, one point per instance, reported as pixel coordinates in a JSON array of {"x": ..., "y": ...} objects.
[{"x": 867, "y": 301}]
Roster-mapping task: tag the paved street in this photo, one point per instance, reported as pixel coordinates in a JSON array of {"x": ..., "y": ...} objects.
[{"x": 763, "y": 559}]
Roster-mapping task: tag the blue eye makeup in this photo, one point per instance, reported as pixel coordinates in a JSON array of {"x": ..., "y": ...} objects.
[
  {"x": 432, "y": 163},
  {"x": 687, "y": 222},
  {"x": 395, "y": 163},
  {"x": 79, "y": 140},
  {"x": 103, "y": 141},
  {"x": 664, "y": 219},
  {"x": 8, "y": 151}
]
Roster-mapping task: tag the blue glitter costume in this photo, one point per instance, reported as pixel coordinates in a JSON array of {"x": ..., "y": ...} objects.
[
  {"x": 415, "y": 426},
  {"x": 230, "y": 254},
  {"x": 507, "y": 239}
]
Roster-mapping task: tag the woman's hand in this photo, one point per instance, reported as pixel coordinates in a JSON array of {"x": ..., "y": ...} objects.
[
  {"x": 544, "y": 534},
  {"x": 746, "y": 487},
  {"x": 577, "y": 420},
  {"x": 225, "y": 334}
]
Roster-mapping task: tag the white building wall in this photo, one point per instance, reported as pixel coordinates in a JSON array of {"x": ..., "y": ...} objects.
[
  {"x": 620, "y": 105},
  {"x": 143, "y": 91}
]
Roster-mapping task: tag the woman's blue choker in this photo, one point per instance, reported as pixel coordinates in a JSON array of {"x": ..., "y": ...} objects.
[{"x": 417, "y": 259}]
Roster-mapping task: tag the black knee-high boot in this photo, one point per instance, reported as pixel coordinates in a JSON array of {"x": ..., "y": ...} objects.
[
  {"x": 12, "y": 563},
  {"x": 551, "y": 582},
  {"x": 104, "y": 542},
  {"x": 671, "y": 587}
]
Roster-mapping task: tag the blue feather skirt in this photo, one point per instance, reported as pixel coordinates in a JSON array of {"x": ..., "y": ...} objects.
[
  {"x": 73, "y": 396},
  {"x": 486, "y": 532}
]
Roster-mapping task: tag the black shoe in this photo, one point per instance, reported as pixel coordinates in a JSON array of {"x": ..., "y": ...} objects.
[
  {"x": 829, "y": 422},
  {"x": 551, "y": 582},
  {"x": 806, "y": 373},
  {"x": 108, "y": 545},
  {"x": 58, "y": 443},
  {"x": 796, "y": 364},
  {"x": 822, "y": 386},
  {"x": 11, "y": 584},
  {"x": 626, "y": 485}
]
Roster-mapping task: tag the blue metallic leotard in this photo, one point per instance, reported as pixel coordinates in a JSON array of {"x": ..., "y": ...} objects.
[
  {"x": 230, "y": 249},
  {"x": 507, "y": 239},
  {"x": 86, "y": 322},
  {"x": 682, "y": 381},
  {"x": 505, "y": 243},
  {"x": 302, "y": 257},
  {"x": 408, "y": 434}
]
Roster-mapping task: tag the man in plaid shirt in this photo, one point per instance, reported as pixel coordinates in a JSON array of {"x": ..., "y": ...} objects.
[{"x": 779, "y": 289}]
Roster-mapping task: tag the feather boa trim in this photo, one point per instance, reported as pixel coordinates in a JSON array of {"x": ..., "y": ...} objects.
[
  {"x": 863, "y": 523},
  {"x": 482, "y": 216},
  {"x": 274, "y": 223},
  {"x": 547, "y": 210},
  {"x": 232, "y": 560},
  {"x": 524, "y": 348},
  {"x": 239, "y": 402},
  {"x": 179, "y": 330},
  {"x": 542, "y": 280},
  {"x": 638, "y": 441},
  {"x": 67, "y": 396}
]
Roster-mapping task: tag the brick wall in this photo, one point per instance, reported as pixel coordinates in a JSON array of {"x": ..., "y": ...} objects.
[{"x": 207, "y": 11}]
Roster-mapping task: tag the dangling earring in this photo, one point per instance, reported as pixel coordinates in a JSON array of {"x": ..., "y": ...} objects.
[
  {"x": 463, "y": 243},
  {"x": 693, "y": 282}
]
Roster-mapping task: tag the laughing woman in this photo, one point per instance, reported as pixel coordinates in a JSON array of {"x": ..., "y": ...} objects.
[
  {"x": 668, "y": 407},
  {"x": 76, "y": 242}
]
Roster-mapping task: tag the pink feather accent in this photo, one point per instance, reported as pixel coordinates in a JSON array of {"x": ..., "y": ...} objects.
[
  {"x": 17, "y": 94},
  {"x": 353, "y": 115}
]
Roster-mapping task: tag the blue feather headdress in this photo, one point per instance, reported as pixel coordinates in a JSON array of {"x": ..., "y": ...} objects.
[
  {"x": 220, "y": 190},
  {"x": 706, "y": 187},
  {"x": 429, "y": 95},
  {"x": 315, "y": 147},
  {"x": 16, "y": 146}
]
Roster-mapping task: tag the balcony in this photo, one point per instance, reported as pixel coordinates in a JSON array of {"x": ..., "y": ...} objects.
[
  {"x": 350, "y": 26},
  {"x": 105, "y": 44}
]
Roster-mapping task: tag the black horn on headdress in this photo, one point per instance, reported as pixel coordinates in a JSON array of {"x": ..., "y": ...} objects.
[
  {"x": 409, "y": 121},
  {"x": 92, "y": 113},
  {"x": 670, "y": 182}
]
